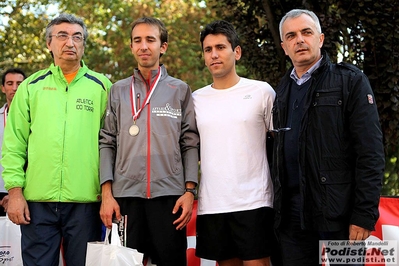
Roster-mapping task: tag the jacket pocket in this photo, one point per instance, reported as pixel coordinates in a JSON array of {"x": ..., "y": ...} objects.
[
  {"x": 332, "y": 97},
  {"x": 337, "y": 191},
  {"x": 326, "y": 117},
  {"x": 328, "y": 104},
  {"x": 166, "y": 158}
]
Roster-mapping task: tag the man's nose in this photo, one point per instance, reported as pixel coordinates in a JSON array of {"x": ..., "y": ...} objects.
[
  {"x": 299, "y": 38},
  {"x": 69, "y": 41},
  {"x": 214, "y": 54},
  {"x": 143, "y": 45}
]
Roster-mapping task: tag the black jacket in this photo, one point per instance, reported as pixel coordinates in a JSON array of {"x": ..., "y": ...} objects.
[{"x": 340, "y": 149}]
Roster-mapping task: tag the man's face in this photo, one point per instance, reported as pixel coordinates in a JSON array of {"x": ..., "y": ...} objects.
[
  {"x": 12, "y": 81},
  {"x": 66, "y": 51},
  {"x": 301, "y": 40},
  {"x": 219, "y": 56},
  {"x": 146, "y": 46}
]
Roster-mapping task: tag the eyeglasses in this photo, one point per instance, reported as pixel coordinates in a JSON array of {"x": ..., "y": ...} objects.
[
  {"x": 282, "y": 129},
  {"x": 63, "y": 37},
  {"x": 288, "y": 128}
]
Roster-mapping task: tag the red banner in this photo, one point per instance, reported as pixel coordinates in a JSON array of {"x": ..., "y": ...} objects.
[
  {"x": 193, "y": 260},
  {"x": 387, "y": 227}
]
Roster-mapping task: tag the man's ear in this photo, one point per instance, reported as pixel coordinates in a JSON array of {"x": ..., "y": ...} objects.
[
  {"x": 164, "y": 47},
  {"x": 321, "y": 40},
  {"x": 237, "y": 52}
]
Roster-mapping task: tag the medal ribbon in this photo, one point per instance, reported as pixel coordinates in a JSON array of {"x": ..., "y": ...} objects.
[
  {"x": 135, "y": 112},
  {"x": 5, "y": 115}
]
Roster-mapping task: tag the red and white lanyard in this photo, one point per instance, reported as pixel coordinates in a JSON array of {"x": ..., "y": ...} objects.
[{"x": 136, "y": 112}]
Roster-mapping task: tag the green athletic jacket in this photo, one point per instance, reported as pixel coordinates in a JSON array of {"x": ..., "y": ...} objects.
[{"x": 54, "y": 127}]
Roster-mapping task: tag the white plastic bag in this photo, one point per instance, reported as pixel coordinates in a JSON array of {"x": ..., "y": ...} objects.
[
  {"x": 112, "y": 254},
  {"x": 10, "y": 243}
]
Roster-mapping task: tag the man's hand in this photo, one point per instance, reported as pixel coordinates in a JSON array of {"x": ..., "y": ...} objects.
[
  {"x": 186, "y": 203},
  {"x": 17, "y": 209},
  {"x": 358, "y": 233},
  {"x": 109, "y": 206}
]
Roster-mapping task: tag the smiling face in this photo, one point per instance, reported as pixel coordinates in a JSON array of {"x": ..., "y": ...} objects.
[
  {"x": 301, "y": 41},
  {"x": 219, "y": 56},
  {"x": 66, "y": 51},
  {"x": 146, "y": 46}
]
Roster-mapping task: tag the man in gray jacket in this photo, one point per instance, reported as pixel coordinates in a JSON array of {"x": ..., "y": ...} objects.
[{"x": 149, "y": 152}]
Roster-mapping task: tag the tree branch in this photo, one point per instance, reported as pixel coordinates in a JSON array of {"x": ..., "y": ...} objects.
[{"x": 274, "y": 29}]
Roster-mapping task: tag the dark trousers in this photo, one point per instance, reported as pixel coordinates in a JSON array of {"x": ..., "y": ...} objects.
[
  {"x": 74, "y": 224},
  {"x": 150, "y": 229},
  {"x": 301, "y": 247}
]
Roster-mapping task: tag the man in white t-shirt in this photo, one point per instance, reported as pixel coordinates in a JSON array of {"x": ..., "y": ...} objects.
[{"x": 235, "y": 215}]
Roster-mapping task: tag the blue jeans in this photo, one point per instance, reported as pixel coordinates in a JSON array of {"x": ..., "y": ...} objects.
[{"x": 73, "y": 224}]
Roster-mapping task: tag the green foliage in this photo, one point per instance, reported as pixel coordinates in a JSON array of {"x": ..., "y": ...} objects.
[{"x": 22, "y": 42}]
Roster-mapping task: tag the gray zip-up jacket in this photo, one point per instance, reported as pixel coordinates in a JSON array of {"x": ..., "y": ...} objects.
[{"x": 164, "y": 154}]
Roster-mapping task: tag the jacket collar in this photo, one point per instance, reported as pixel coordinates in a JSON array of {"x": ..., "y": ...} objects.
[
  {"x": 57, "y": 70},
  {"x": 325, "y": 62},
  {"x": 137, "y": 74},
  {"x": 3, "y": 109}
]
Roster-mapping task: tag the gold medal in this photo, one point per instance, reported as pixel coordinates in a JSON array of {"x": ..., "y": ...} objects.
[{"x": 134, "y": 130}]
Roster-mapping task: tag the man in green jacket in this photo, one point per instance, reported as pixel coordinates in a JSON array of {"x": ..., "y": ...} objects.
[{"x": 50, "y": 151}]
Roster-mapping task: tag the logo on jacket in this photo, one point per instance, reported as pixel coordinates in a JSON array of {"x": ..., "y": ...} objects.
[
  {"x": 84, "y": 104},
  {"x": 370, "y": 98},
  {"x": 166, "y": 111}
]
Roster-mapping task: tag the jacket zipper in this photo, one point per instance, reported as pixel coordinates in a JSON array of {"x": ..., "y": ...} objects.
[
  {"x": 148, "y": 170},
  {"x": 63, "y": 145},
  {"x": 148, "y": 151}
]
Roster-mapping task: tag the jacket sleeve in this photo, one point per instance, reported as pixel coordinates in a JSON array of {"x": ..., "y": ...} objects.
[
  {"x": 15, "y": 141},
  {"x": 107, "y": 141},
  {"x": 189, "y": 139},
  {"x": 367, "y": 137},
  {"x": 107, "y": 84}
]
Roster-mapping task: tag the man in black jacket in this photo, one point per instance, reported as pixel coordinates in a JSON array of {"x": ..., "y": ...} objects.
[{"x": 328, "y": 159}]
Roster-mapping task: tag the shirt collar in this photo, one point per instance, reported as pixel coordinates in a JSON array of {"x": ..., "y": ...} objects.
[
  {"x": 4, "y": 108},
  {"x": 305, "y": 77}
]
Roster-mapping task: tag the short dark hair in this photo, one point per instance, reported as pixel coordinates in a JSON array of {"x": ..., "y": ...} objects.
[
  {"x": 11, "y": 71},
  {"x": 151, "y": 21},
  {"x": 66, "y": 18},
  {"x": 221, "y": 27}
]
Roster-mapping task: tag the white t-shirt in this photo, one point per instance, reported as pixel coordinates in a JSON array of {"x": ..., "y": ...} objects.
[
  {"x": 2, "y": 124},
  {"x": 232, "y": 124}
]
